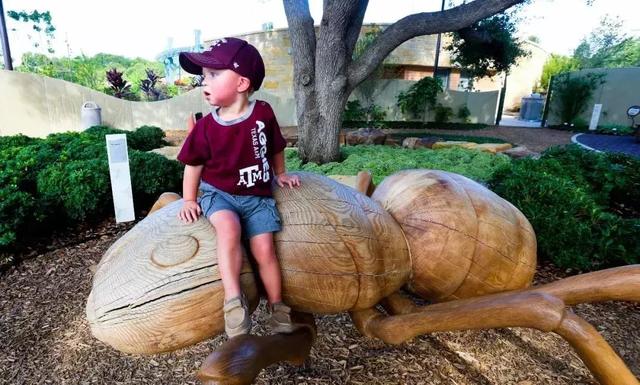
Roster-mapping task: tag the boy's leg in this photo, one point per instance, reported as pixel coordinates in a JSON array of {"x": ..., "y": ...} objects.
[
  {"x": 263, "y": 251},
  {"x": 228, "y": 232},
  {"x": 237, "y": 320}
]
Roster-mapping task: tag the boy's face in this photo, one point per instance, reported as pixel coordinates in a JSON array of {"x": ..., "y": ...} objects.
[{"x": 221, "y": 87}]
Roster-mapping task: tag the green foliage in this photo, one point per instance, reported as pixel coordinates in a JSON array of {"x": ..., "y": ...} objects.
[
  {"x": 81, "y": 187},
  {"x": 15, "y": 206},
  {"x": 420, "y": 96},
  {"x": 402, "y": 124},
  {"x": 90, "y": 71},
  {"x": 153, "y": 174},
  {"x": 487, "y": 47},
  {"x": 353, "y": 111},
  {"x": 373, "y": 115},
  {"x": 146, "y": 138},
  {"x": 16, "y": 141},
  {"x": 583, "y": 205},
  {"x": 608, "y": 46},
  {"x": 367, "y": 88},
  {"x": 573, "y": 94},
  {"x": 382, "y": 161},
  {"x": 39, "y": 22},
  {"x": 615, "y": 129},
  {"x": 65, "y": 178},
  {"x": 365, "y": 41},
  {"x": 463, "y": 114},
  {"x": 556, "y": 65},
  {"x": 442, "y": 113}
]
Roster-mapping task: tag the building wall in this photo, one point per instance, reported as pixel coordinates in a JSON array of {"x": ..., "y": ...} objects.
[
  {"x": 617, "y": 94},
  {"x": 522, "y": 79},
  {"x": 412, "y": 60}
]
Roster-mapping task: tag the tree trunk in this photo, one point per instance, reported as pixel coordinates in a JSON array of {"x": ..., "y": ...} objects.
[{"x": 325, "y": 74}]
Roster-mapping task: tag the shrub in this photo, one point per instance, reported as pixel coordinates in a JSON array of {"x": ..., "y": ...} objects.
[
  {"x": 442, "y": 113},
  {"x": 353, "y": 111},
  {"x": 373, "y": 115},
  {"x": 151, "y": 175},
  {"x": 16, "y": 141},
  {"x": 15, "y": 207},
  {"x": 118, "y": 87},
  {"x": 615, "y": 129},
  {"x": 146, "y": 138},
  {"x": 65, "y": 177},
  {"x": 419, "y": 97},
  {"x": 573, "y": 200},
  {"x": 81, "y": 187},
  {"x": 464, "y": 113},
  {"x": 573, "y": 93}
]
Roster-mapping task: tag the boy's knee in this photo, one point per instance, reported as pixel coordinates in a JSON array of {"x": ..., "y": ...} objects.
[
  {"x": 263, "y": 250},
  {"x": 226, "y": 223}
]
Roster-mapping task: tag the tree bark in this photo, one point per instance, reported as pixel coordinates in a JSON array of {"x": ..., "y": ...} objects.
[{"x": 325, "y": 74}]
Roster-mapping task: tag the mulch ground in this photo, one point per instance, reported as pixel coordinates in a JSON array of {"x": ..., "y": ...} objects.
[{"x": 45, "y": 339}]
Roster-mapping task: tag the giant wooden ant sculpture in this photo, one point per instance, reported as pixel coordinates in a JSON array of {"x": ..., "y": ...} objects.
[{"x": 439, "y": 235}]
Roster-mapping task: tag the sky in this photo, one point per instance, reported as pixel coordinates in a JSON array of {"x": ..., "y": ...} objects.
[{"x": 143, "y": 28}]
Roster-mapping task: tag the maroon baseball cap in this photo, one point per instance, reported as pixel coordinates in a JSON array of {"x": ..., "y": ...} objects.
[{"x": 227, "y": 53}]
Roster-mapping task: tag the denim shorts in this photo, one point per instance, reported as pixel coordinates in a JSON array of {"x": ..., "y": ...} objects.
[{"x": 257, "y": 214}]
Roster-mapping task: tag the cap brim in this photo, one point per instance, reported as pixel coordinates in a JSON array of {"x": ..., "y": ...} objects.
[{"x": 192, "y": 62}]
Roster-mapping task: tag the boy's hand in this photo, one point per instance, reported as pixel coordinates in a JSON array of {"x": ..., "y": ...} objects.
[
  {"x": 291, "y": 180},
  {"x": 190, "y": 211}
]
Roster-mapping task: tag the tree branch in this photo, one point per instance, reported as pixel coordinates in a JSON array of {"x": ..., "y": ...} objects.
[
  {"x": 303, "y": 39},
  {"x": 419, "y": 24},
  {"x": 355, "y": 26}
]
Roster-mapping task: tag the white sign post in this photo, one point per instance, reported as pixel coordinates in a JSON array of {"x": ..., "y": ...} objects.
[
  {"x": 120, "y": 177},
  {"x": 595, "y": 116}
]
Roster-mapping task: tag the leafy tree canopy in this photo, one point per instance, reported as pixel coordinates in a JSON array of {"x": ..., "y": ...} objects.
[{"x": 488, "y": 46}]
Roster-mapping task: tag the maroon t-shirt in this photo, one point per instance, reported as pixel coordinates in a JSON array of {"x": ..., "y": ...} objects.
[{"x": 237, "y": 155}]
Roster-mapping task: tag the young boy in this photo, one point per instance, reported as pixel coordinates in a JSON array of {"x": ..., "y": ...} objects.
[{"x": 233, "y": 154}]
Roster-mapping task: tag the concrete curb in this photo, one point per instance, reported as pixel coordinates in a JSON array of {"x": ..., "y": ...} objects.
[{"x": 574, "y": 139}]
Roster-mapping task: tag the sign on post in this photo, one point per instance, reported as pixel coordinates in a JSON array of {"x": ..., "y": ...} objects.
[
  {"x": 120, "y": 177},
  {"x": 595, "y": 116}
]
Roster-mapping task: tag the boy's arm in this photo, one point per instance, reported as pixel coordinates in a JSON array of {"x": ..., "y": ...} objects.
[
  {"x": 279, "y": 166},
  {"x": 190, "y": 182},
  {"x": 190, "y": 210},
  {"x": 280, "y": 171}
]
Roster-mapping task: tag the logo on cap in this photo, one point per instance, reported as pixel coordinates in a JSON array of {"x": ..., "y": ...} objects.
[{"x": 217, "y": 43}]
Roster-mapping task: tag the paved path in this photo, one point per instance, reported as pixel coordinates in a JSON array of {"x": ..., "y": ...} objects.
[
  {"x": 609, "y": 143},
  {"x": 513, "y": 121}
]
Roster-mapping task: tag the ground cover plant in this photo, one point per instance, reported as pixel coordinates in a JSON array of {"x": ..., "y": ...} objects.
[
  {"x": 382, "y": 161},
  {"x": 410, "y": 124},
  {"x": 583, "y": 205}
]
